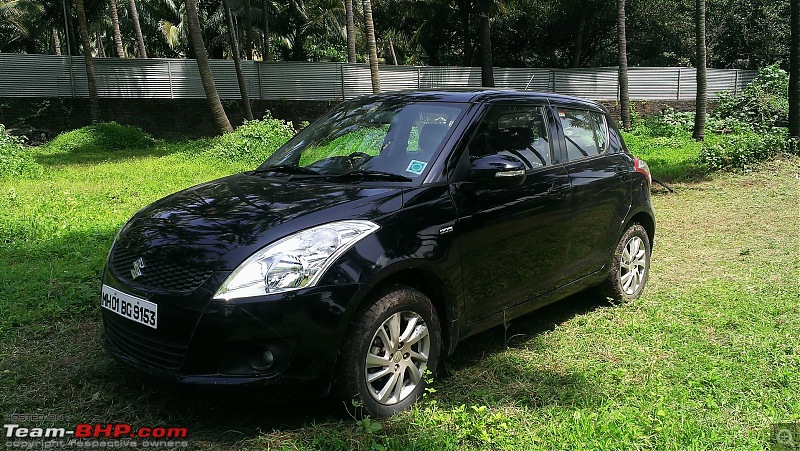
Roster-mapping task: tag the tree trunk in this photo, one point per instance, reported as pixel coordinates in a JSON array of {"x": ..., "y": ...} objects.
[
  {"x": 372, "y": 47},
  {"x": 700, "y": 43},
  {"x": 94, "y": 105},
  {"x": 392, "y": 52},
  {"x": 265, "y": 44},
  {"x": 248, "y": 30},
  {"x": 465, "y": 6},
  {"x": 56, "y": 42},
  {"x": 487, "y": 68},
  {"x": 624, "y": 98},
  {"x": 576, "y": 55},
  {"x": 98, "y": 43},
  {"x": 196, "y": 38},
  {"x": 115, "y": 26},
  {"x": 138, "y": 28},
  {"x": 351, "y": 31},
  {"x": 248, "y": 112},
  {"x": 794, "y": 71}
]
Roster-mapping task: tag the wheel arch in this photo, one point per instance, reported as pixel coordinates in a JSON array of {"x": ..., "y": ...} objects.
[
  {"x": 433, "y": 287},
  {"x": 647, "y": 221}
]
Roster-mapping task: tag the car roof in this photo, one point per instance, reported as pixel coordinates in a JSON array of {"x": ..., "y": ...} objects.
[{"x": 483, "y": 95}]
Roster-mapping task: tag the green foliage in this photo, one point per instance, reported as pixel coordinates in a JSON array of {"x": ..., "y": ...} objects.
[
  {"x": 15, "y": 159},
  {"x": 253, "y": 141},
  {"x": 105, "y": 137},
  {"x": 763, "y": 104},
  {"x": 671, "y": 123},
  {"x": 744, "y": 150}
]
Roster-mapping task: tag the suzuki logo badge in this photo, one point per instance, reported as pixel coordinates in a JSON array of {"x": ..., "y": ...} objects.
[{"x": 137, "y": 268}]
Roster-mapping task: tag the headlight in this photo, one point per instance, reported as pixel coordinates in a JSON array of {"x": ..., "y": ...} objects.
[{"x": 294, "y": 262}]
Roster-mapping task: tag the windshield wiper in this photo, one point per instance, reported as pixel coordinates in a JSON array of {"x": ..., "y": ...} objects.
[
  {"x": 287, "y": 169},
  {"x": 374, "y": 175}
]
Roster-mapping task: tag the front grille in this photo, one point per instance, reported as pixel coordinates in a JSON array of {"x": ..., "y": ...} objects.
[
  {"x": 158, "y": 273},
  {"x": 143, "y": 345}
]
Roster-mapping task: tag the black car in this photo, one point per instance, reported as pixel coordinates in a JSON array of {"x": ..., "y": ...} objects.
[{"x": 368, "y": 245}]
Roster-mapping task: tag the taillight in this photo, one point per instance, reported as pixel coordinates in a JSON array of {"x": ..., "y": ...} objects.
[{"x": 641, "y": 166}]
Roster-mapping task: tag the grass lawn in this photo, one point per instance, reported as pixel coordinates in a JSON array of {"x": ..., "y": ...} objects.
[{"x": 708, "y": 358}]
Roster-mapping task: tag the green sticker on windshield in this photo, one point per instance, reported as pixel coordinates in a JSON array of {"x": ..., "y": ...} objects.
[{"x": 416, "y": 167}]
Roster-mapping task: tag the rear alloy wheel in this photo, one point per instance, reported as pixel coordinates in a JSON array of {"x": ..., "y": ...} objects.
[
  {"x": 630, "y": 266},
  {"x": 388, "y": 352}
]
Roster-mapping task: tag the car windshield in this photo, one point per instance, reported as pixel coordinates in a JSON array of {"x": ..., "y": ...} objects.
[{"x": 369, "y": 139}]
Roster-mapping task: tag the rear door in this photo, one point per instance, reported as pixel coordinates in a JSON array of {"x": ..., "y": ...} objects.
[
  {"x": 512, "y": 239},
  {"x": 600, "y": 178}
]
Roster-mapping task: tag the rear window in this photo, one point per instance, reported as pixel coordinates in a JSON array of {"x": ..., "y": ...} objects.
[{"x": 585, "y": 133}]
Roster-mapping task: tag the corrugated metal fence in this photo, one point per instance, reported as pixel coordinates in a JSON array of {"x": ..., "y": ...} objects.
[{"x": 24, "y": 75}]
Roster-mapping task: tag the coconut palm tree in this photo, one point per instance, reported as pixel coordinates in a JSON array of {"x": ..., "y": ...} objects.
[
  {"x": 487, "y": 66},
  {"x": 794, "y": 71},
  {"x": 94, "y": 106},
  {"x": 372, "y": 47},
  {"x": 138, "y": 28},
  {"x": 624, "y": 97},
  {"x": 350, "y": 30},
  {"x": 115, "y": 26},
  {"x": 248, "y": 30},
  {"x": 196, "y": 38},
  {"x": 700, "y": 49},
  {"x": 248, "y": 112}
]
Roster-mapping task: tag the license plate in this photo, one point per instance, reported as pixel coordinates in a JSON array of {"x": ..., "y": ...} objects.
[{"x": 130, "y": 307}]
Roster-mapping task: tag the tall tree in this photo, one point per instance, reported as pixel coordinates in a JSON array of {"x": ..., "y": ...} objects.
[
  {"x": 372, "y": 47},
  {"x": 248, "y": 30},
  {"x": 265, "y": 50},
  {"x": 350, "y": 29},
  {"x": 248, "y": 112},
  {"x": 196, "y": 38},
  {"x": 138, "y": 29},
  {"x": 624, "y": 97},
  {"x": 487, "y": 65},
  {"x": 794, "y": 71},
  {"x": 578, "y": 49},
  {"x": 94, "y": 104},
  {"x": 700, "y": 61},
  {"x": 115, "y": 26}
]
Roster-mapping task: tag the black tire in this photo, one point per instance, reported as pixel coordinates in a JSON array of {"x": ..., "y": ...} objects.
[
  {"x": 616, "y": 285},
  {"x": 364, "y": 338}
]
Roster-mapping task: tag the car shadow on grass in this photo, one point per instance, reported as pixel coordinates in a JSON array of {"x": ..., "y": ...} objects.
[
  {"x": 499, "y": 366},
  {"x": 64, "y": 370}
]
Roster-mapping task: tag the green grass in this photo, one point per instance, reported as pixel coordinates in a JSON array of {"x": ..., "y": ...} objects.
[{"x": 708, "y": 358}]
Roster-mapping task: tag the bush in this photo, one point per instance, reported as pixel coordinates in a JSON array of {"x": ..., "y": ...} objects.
[
  {"x": 763, "y": 104},
  {"x": 15, "y": 159},
  {"x": 105, "y": 137},
  {"x": 670, "y": 124},
  {"x": 253, "y": 141},
  {"x": 743, "y": 150}
]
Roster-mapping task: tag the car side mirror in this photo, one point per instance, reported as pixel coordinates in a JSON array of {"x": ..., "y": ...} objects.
[{"x": 497, "y": 171}]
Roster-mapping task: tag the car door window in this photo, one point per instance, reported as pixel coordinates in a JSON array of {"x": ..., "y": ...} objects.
[
  {"x": 516, "y": 130},
  {"x": 585, "y": 133}
]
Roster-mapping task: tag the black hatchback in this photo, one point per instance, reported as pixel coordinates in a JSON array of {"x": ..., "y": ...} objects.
[{"x": 368, "y": 245}]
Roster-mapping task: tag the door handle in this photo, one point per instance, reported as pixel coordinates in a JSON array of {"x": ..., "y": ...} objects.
[{"x": 558, "y": 188}]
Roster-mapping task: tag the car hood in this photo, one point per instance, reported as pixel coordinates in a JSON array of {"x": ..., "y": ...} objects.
[{"x": 216, "y": 225}]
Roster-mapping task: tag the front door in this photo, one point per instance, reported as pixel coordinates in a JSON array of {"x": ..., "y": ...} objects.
[{"x": 512, "y": 240}]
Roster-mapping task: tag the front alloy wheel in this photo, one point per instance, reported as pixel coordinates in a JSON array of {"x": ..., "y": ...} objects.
[
  {"x": 398, "y": 357},
  {"x": 391, "y": 346}
]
